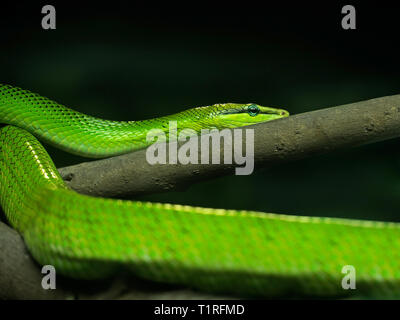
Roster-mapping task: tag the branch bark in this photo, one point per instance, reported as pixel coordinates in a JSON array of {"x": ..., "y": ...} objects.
[{"x": 287, "y": 139}]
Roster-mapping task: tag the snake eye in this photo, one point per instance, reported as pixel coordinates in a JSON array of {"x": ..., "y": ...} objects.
[{"x": 253, "y": 110}]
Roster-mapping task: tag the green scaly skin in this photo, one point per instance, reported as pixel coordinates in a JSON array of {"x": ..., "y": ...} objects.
[{"x": 239, "y": 252}]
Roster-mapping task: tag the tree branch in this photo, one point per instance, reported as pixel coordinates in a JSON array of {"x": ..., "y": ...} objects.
[{"x": 287, "y": 139}]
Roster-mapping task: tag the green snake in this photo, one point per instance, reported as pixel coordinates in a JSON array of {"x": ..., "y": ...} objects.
[{"x": 243, "y": 253}]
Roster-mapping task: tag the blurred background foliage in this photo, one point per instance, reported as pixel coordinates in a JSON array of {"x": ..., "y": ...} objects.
[{"x": 125, "y": 62}]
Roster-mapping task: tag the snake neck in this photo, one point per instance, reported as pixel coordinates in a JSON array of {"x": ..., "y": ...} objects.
[{"x": 85, "y": 135}]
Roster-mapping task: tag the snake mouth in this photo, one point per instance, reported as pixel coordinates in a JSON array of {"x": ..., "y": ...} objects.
[{"x": 271, "y": 111}]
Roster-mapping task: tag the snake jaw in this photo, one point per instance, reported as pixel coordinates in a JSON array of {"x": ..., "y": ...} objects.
[{"x": 273, "y": 111}]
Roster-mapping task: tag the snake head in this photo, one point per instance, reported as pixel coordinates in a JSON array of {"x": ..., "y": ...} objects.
[{"x": 233, "y": 115}]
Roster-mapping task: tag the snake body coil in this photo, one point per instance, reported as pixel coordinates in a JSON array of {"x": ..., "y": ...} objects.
[{"x": 226, "y": 251}]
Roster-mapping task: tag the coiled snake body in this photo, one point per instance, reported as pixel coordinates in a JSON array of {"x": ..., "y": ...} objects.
[{"x": 215, "y": 250}]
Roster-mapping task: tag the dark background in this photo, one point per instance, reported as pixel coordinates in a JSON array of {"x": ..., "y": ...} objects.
[{"x": 128, "y": 62}]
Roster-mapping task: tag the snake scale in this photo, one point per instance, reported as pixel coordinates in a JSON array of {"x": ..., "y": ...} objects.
[{"x": 244, "y": 253}]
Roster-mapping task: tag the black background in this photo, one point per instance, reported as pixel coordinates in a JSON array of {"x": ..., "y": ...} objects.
[{"x": 125, "y": 61}]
